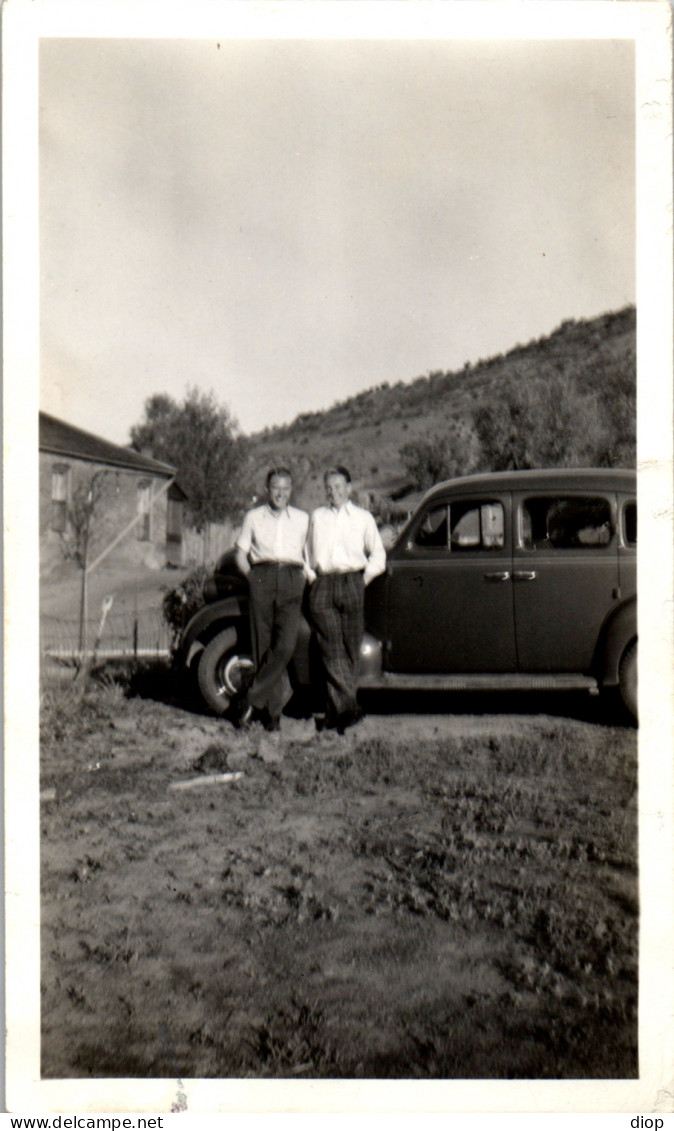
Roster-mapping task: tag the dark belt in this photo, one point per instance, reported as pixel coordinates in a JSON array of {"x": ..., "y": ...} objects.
[
  {"x": 340, "y": 572},
  {"x": 276, "y": 565}
]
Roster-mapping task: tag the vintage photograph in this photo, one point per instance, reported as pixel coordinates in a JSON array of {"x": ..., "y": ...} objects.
[{"x": 338, "y": 712}]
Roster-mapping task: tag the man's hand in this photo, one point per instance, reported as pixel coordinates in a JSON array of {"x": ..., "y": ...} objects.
[{"x": 242, "y": 562}]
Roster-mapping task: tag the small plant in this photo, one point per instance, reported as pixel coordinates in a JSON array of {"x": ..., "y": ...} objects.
[
  {"x": 60, "y": 713},
  {"x": 292, "y": 1041}
]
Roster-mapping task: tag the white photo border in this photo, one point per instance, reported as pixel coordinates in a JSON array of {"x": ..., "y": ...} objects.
[{"x": 648, "y": 24}]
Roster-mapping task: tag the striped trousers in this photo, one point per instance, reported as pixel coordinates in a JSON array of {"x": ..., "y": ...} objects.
[{"x": 336, "y": 606}]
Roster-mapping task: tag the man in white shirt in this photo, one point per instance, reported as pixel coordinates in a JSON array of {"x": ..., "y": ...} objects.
[
  {"x": 345, "y": 552},
  {"x": 270, "y": 553}
]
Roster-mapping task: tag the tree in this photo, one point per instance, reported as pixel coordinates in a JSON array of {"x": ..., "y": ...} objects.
[
  {"x": 84, "y": 523},
  {"x": 544, "y": 422},
  {"x": 153, "y": 433},
  {"x": 614, "y": 378},
  {"x": 428, "y": 459},
  {"x": 200, "y": 438}
]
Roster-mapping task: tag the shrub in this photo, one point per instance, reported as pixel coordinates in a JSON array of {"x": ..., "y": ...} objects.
[
  {"x": 181, "y": 602},
  {"x": 614, "y": 381},
  {"x": 544, "y": 422},
  {"x": 429, "y": 459}
]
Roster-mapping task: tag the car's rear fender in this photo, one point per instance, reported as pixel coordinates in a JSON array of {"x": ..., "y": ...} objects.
[
  {"x": 209, "y": 620},
  {"x": 370, "y": 663},
  {"x": 618, "y": 631}
]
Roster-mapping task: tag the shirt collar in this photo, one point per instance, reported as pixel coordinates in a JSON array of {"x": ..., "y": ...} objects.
[
  {"x": 346, "y": 506},
  {"x": 277, "y": 514}
]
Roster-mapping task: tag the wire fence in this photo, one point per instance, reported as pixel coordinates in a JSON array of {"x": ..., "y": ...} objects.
[{"x": 133, "y": 634}]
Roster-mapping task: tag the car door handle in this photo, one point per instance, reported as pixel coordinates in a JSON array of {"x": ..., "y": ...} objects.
[
  {"x": 524, "y": 575},
  {"x": 500, "y": 575}
]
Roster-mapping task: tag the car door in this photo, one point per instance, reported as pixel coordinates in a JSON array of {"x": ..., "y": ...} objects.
[
  {"x": 565, "y": 576},
  {"x": 450, "y": 605}
]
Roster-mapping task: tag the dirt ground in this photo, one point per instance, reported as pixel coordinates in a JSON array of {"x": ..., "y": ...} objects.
[{"x": 440, "y": 893}]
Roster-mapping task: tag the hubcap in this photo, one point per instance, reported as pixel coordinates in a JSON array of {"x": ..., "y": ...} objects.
[{"x": 231, "y": 672}]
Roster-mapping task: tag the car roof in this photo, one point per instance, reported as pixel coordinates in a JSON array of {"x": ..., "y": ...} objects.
[{"x": 556, "y": 478}]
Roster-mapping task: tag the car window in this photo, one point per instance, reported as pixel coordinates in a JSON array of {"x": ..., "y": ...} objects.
[
  {"x": 432, "y": 530},
  {"x": 630, "y": 524},
  {"x": 565, "y": 522},
  {"x": 463, "y": 525},
  {"x": 476, "y": 526}
]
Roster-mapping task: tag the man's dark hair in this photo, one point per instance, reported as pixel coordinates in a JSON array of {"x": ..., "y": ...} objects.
[
  {"x": 278, "y": 472},
  {"x": 338, "y": 469}
]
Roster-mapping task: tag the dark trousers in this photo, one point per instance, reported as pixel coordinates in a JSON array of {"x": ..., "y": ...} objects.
[
  {"x": 275, "y": 605},
  {"x": 336, "y": 603}
]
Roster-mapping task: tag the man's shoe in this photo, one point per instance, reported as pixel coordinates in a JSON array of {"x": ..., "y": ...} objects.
[
  {"x": 271, "y": 723},
  {"x": 241, "y": 712},
  {"x": 349, "y": 719},
  {"x": 325, "y": 722},
  {"x": 246, "y": 678}
]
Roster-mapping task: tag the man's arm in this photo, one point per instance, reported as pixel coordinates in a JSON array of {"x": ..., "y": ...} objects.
[
  {"x": 309, "y": 572},
  {"x": 242, "y": 561},
  {"x": 374, "y": 548},
  {"x": 243, "y": 544}
]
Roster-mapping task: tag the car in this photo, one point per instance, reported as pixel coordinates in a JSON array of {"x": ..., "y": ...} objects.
[{"x": 503, "y": 581}]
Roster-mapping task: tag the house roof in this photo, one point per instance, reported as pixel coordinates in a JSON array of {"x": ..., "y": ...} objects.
[{"x": 63, "y": 439}]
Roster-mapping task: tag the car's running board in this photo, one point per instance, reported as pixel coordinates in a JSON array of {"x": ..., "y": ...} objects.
[{"x": 497, "y": 681}]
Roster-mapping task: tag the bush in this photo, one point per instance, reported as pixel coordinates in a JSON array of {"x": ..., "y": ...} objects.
[
  {"x": 181, "y": 602},
  {"x": 614, "y": 380},
  {"x": 429, "y": 459},
  {"x": 545, "y": 422}
]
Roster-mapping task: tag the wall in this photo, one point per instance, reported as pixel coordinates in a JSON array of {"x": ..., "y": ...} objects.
[{"x": 116, "y": 507}]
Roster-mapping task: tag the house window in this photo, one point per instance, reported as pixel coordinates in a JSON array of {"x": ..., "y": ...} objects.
[
  {"x": 143, "y": 500},
  {"x": 60, "y": 489},
  {"x": 174, "y": 520}
]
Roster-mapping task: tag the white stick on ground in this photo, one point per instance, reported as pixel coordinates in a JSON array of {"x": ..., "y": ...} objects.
[{"x": 206, "y": 779}]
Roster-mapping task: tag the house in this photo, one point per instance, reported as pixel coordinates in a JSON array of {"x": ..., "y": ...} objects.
[{"x": 122, "y": 503}]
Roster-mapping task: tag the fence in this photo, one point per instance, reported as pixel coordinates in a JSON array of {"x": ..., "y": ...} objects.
[
  {"x": 208, "y": 545},
  {"x": 142, "y": 634}
]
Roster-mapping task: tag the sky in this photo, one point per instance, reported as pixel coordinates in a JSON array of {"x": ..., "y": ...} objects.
[{"x": 287, "y": 222}]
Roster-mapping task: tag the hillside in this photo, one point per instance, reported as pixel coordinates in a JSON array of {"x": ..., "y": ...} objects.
[{"x": 593, "y": 361}]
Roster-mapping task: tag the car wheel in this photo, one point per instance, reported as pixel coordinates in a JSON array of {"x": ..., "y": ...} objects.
[
  {"x": 221, "y": 667},
  {"x": 628, "y": 679}
]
